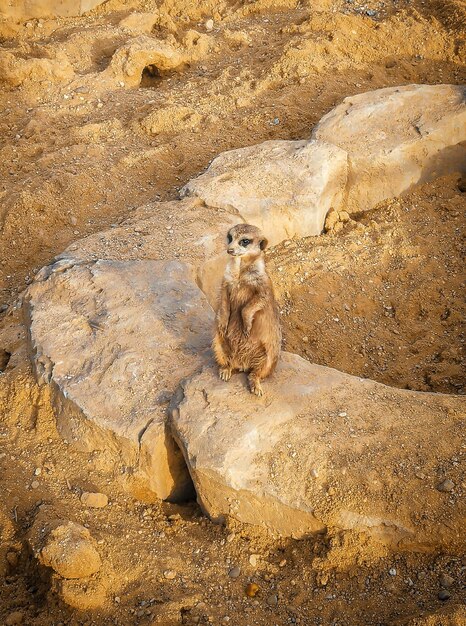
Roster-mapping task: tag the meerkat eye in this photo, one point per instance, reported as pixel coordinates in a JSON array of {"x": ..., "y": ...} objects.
[
  {"x": 229, "y": 238},
  {"x": 245, "y": 242}
]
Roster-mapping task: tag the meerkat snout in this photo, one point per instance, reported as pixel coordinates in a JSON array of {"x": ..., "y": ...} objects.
[{"x": 248, "y": 334}]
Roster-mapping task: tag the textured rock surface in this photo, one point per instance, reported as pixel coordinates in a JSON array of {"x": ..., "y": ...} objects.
[
  {"x": 20, "y": 9},
  {"x": 285, "y": 188},
  {"x": 114, "y": 338},
  {"x": 322, "y": 449},
  {"x": 185, "y": 229},
  {"x": 397, "y": 137},
  {"x": 70, "y": 551}
]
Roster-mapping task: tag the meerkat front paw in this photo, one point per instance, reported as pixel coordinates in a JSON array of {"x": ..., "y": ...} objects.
[{"x": 224, "y": 373}]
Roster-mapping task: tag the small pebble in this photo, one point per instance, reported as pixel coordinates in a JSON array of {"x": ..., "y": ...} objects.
[
  {"x": 305, "y": 339},
  {"x": 35, "y": 484},
  {"x": 342, "y": 414},
  {"x": 447, "y": 485},
  {"x": 94, "y": 500},
  {"x": 12, "y": 558},
  {"x": 392, "y": 571},
  {"x": 37, "y": 471},
  {"x": 117, "y": 599},
  {"x": 275, "y": 121},
  {"x": 169, "y": 574},
  {"x": 445, "y": 580},
  {"x": 253, "y": 559},
  {"x": 209, "y": 25},
  {"x": 282, "y": 563},
  {"x": 252, "y": 590},
  {"x": 17, "y": 617},
  {"x": 272, "y": 600},
  {"x": 444, "y": 595},
  {"x": 234, "y": 572}
]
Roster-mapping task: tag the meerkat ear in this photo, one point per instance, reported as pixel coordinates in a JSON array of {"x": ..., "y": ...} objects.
[{"x": 263, "y": 243}]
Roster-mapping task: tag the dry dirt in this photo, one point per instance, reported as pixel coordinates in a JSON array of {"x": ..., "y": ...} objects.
[{"x": 379, "y": 297}]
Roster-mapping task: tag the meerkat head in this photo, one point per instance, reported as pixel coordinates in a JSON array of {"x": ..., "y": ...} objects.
[{"x": 245, "y": 240}]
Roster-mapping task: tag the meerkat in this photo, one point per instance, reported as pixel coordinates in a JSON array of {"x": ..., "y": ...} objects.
[{"x": 247, "y": 333}]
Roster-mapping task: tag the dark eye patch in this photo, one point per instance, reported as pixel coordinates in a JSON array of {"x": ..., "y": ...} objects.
[
  {"x": 229, "y": 238},
  {"x": 245, "y": 242}
]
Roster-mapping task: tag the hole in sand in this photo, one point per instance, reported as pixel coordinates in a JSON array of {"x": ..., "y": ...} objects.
[
  {"x": 4, "y": 359},
  {"x": 151, "y": 76}
]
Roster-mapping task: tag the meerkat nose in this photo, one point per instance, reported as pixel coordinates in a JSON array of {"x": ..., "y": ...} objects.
[{"x": 231, "y": 251}]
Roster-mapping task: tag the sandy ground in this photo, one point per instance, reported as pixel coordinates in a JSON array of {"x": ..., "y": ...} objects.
[{"x": 380, "y": 298}]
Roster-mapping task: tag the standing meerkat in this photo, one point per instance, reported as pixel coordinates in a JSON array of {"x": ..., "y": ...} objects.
[{"x": 248, "y": 334}]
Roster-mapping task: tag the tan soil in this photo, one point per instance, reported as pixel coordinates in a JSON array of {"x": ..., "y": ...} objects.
[
  {"x": 74, "y": 162},
  {"x": 383, "y": 297}
]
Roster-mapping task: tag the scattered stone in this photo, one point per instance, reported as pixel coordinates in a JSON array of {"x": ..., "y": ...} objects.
[
  {"x": 169, "y": 574},
  {"x": 444, "y": 595},
  {"x": 69, "y": 550},
  {"x": 446, "y": 580},
  {"x": 37, "y": 471},
  {"x": 17, "y": 617},
  {"x": 234, "y": 572},
  {"x": 282, "y": 563},
  {"x": 392, "y": 571},
  {"x": 272, "y": 600},
  {"x": 12, "y": 559},
  {"x": 252, "y": 590},
  {"x": 331, "y": 220},
  {"x": 94, "y": 500},
  {"x": 253, "y": 559},
  {"x": 35, "y": 484},
  {"x": 209, "y": 25},
  {"x": 446, "y": 486}
]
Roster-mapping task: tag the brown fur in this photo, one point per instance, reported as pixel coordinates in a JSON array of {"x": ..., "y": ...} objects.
[{"x": 248, "y": 335}]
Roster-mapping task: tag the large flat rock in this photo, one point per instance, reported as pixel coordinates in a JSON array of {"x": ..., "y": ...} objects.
[
  {"x": 22, "y": 9},
  {"x": 324, "y": 450},
  {"x": 396, "y": 138},
  {"x": 113, "y": 338},
  {"x": 285, "y": 188}
]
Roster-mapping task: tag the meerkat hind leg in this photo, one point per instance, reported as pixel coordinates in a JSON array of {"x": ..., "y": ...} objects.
[{"x": 224, "y": 364}]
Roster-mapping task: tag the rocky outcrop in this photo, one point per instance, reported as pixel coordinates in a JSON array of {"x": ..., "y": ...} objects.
[
  {"x": 285, "y": 188},
  {"x": 23, "y": 9},
  {"x": 119, "y": 319},
  {"x": 396, "y": 138},
  {"x": 323, "y": 450},
  {"x": 113, "y": 339}
]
